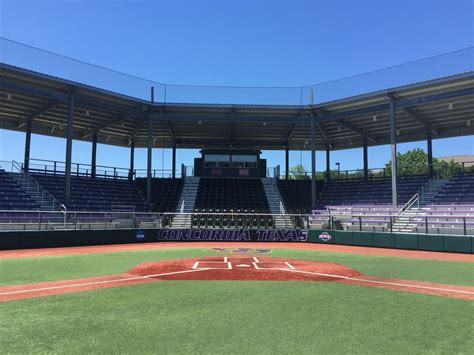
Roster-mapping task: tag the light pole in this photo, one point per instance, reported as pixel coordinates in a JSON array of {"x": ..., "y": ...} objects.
[{"x": 338, "y": 170}]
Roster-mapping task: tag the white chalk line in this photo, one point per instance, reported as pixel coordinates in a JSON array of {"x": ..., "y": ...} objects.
[
  {"x": 380, "y": 282},
  {"x": 101, "y": 282},
  {"x": 194, "y": 269}
]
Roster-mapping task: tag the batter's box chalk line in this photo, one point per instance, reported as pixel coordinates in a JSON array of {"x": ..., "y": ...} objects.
[
  {"x": 196, "y": 266},
  {"x": 209, "y": 265}
]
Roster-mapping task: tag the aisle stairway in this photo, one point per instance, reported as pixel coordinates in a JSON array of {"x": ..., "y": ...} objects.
[
  {"x": 35, "y": 192},
  {"x": 405, "y": 222},
  {"x": 275, "y": 201},
  {"x": 186, "y": 203}
]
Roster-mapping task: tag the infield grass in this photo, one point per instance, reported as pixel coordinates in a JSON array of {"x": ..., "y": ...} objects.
[{"x": 28, "y": 270}]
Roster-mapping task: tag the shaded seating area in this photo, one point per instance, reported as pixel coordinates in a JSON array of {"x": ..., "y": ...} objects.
[
  {"x": 165, "y": 193},
  {"x": 458, "y": 190},
  {"x": 231, "y": 202},
  {"x": 375, "y": 191},
  {"x": 296, "y": 195},
  {"x": 12, "y": 196},
  {"x": 94, "y": 194}
]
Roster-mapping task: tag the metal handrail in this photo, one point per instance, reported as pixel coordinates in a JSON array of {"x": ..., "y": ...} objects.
[
  {"x": 409, "y": 204},
  {"x": 282, "y": 209},
  {"x": 30, "y": 179}
]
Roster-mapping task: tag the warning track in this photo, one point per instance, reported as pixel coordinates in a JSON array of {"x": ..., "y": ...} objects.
[
  {"x": 232, "y": 267},
  {"x": 415, "y": 254}
]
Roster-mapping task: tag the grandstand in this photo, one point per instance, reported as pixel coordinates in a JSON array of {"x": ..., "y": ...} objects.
[{"x": 230, "y": 185}]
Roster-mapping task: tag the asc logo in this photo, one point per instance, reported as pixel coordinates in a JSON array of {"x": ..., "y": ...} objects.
[
  {"x": 325, "y": 237},
  {"x": 140, "y": 234}
]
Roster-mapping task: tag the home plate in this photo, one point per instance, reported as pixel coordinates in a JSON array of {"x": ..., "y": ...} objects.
[{"x": 243, "y": 265}]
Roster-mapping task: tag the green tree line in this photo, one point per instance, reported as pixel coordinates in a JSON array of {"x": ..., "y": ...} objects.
[{"x": 413, "y": 162}]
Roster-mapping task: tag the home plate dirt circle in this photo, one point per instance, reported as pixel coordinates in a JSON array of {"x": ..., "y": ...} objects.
[
  {"x": 243, "y": 267},
  {"x": 232, "y": 267}
]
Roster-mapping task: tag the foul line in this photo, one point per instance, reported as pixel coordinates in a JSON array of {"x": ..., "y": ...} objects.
[
  {"x": 379, "y": 282},
  {"x": 229, "y": 265},
  {"x": 100, "y": 282}
]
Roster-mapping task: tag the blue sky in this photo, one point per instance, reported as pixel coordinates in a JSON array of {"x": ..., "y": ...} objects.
[{"x": 243, "y": 43}]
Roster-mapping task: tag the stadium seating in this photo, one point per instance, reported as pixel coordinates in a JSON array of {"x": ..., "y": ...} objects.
[
  {"x": 296, "y": 195},
  {"x": 458, "y": 190},
  {"x": 366, "y": 217},
  {"x": 94, "y": 194},
  {"x": 12, "y": 197},
  {"x": 165, "y": 193},
  {"x": 375, "y": 191},
  {"x": 238, "y": 197}
]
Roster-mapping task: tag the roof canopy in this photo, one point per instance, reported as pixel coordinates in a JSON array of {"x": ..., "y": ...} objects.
[{"x": 444, "y": 106}]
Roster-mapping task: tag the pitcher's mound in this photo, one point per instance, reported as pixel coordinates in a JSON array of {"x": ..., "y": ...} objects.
[{"x": 243, "y": 267}]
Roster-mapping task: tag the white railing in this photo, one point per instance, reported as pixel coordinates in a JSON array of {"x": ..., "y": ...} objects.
[
  {"x": 414, "y": 200},
  {"x": 32, "y": 182},
  {"x": 11, "y": 220},
  {"x": 181, "y": 210},
  {"x": 67, "y": 220},
  {"x": 282, "y": 209},
  {"x": 123, "y": 208}
]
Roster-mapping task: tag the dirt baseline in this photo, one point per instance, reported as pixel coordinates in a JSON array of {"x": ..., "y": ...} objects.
[{"x": 232, "y": 267}]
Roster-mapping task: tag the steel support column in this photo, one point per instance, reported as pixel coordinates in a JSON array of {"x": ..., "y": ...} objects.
[
  {"x": 313, "y": 162},
  {"x": 132, "y": 161},
  {"x": 173, "y": 163},
  {"x": 328, "y": 163},
  {"x": 148, "y": 162},
  {"x": 69, "y": 133},
  {"x": 393, "y": 146},
  {"x": 26, "y": 161},
  {"x": 94, "y": 155},
  {"x": 429, "y": 143},
  {"x": 366, "y": 159},
  {"x": 287, "y": 161},
  {"x": 149, "y": 153}
]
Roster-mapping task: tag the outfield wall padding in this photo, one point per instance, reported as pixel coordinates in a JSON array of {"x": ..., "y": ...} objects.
[
  {"x": 429, "y": 242},
  {"x": 52, "y": 239}
]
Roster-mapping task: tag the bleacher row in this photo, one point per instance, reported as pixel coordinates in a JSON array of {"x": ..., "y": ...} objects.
[
  {"x": 94, "y": 194},
  {"x": 297, "y": 193},
  {"x": 452, "y": 209},
  {"x": 246, "y": 196},
  {"x": 12, "y": 197},
  {"x": 243, "y": 199},
  {"x": 436, "y": 218}
]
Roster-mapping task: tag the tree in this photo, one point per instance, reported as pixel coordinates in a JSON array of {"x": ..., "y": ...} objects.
[
  {"x": 415, "y": 162},
  {"x": 298, "y": 172}
]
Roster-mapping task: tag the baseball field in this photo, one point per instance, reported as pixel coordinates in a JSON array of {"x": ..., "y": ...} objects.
[{"x": 235, "y": 298}]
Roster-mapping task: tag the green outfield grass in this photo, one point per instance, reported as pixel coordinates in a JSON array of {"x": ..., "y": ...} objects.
[
  {"x": 235, "y": 316},
  {"x": 238, "y": 317},
  {"x": 18, "y": 271}
]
